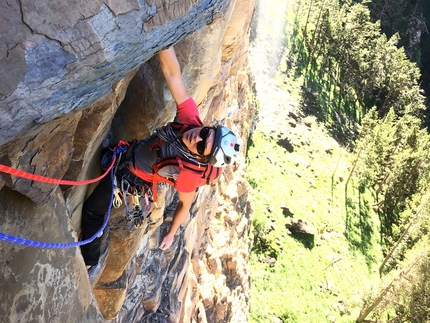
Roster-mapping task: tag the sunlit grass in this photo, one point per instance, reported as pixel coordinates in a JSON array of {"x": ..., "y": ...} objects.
[
  {"x": 309, "y": 280},
  {"x": 297, "y": 278}
]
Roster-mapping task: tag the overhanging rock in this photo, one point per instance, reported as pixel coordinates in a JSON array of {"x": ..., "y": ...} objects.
[{"x": 57, "y": 56}]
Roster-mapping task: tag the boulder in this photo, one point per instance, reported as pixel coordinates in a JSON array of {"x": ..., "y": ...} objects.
[{"x": 301, "y": 227}]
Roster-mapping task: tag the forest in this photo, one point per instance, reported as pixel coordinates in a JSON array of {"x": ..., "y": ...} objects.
[{"x": 365, "y": 71}]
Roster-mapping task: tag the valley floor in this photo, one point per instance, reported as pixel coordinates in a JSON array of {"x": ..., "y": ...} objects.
[{"x": 298, "y": 171}]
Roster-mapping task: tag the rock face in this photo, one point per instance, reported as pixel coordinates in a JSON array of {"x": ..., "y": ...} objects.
[{"x": 78, "y": 76}]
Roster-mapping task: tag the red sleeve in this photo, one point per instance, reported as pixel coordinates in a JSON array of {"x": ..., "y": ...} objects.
[
  {"x": 188, "y": 113},
  {"x": 187, "y": 181}
]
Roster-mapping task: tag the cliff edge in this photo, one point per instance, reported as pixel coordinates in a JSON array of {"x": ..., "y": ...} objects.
[{"x": 77, "y": 77}]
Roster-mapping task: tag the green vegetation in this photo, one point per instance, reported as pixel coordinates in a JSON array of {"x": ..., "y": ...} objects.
[
  {"x": 352, "y": 162},
  {"x": 309, "y": 277}
]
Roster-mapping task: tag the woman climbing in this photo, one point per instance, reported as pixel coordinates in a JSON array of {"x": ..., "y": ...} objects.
[{"x": 184, "y": 154}]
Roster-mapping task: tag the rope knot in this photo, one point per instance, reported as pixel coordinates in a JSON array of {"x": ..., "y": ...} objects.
[{"x": 121, "y": 147}]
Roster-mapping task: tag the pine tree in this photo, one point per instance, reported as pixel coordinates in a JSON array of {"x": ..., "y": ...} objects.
[{"x": 394, "y": 164}]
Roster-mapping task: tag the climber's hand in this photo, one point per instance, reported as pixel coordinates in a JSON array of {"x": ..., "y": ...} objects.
[{"x": 167, "y": 242}]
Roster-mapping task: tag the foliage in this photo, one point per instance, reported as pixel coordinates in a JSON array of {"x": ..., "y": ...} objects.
[
  {"x": 393, "y": 159},
  {"x": 419, "y": 303},
  {"x": 408, "y": 18},
  {"x": 265, "y": 240},
  {"x": 391, "y": 303},
  {"x": 347, "y": 61},
  {"x": 352, "y": 66},
  {"x": 404, "y": 17},
  {"x": 362, "y": 88},
  {"x": 304, "y": 282}
]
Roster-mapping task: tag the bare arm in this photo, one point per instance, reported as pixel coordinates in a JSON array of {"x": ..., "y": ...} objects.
[
  {"x": 172, "y": 73},
  {"x": 181, "y": 212}
]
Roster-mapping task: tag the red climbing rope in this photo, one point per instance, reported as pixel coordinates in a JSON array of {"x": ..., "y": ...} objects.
[
  {"x": 39, "y": 178},
  {"x": 121, "y": 147}
]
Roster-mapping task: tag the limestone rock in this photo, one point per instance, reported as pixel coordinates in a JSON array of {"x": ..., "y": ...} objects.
[
  {"x": 79, "y": 76},
  {"x": 63, "y": 56},
  {"x": 42, "y": 285},
  {"x": 301, "y": 226}
]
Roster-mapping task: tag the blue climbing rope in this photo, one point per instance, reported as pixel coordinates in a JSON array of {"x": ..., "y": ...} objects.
[{"x": 53, "y": 245}]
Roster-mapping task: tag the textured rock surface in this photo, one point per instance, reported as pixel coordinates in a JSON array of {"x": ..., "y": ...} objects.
[
  {"x": 56, "y": 52},
  {"x": 79, "y": 76}
]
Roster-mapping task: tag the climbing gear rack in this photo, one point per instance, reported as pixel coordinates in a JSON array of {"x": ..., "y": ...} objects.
[{"x": 132, "y": 195}]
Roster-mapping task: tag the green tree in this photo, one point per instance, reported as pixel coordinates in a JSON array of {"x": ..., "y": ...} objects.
[
  {"x": 419, "y": 305},
  {"x": 394, "y": 163},
  {"x": 404, "y": 17},
  {"x": 353, "y": 64}
]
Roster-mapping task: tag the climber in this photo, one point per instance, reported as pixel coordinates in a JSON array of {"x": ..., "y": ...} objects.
[{"x": 184, "y": 154}]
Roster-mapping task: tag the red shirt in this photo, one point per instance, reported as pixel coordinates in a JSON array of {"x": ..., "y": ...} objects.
[
  {"x": 186, "y": 180},
  {"x": 188, "y": 113}
]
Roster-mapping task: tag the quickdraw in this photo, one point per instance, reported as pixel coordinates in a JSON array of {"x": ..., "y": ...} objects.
[{"x": 132, "y": 195}]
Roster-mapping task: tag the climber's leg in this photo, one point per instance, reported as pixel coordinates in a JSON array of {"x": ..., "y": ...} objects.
[{"x": 93, "y": 213}]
